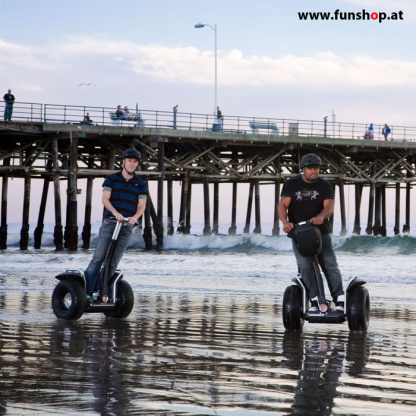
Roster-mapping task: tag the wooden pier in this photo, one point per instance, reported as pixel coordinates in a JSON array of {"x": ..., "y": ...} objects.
[{"x": 56, "y": 151}]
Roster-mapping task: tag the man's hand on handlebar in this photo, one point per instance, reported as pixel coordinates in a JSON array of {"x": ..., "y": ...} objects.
[
  {"x": 288, "y": 227},
  {"x": 317, "y": 220},
  {"x": 118, "y": 216},
  {"x": 132, "y": 221}
]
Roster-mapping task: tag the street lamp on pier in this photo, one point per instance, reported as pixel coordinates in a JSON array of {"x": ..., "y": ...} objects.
[{"x": 214, "y": 28}]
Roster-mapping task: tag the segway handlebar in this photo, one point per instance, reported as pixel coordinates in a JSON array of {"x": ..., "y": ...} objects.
[
  {"x": 307, "y": 222},
  {"x": 124, "y": 221}
]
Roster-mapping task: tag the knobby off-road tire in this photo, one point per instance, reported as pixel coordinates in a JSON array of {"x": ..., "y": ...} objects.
[
  {"x": 125, "y": 301},
  {"x": 292, "y": 309},
  {"x": 358, "y": 309},
  {"x": 69, "y": 300}
]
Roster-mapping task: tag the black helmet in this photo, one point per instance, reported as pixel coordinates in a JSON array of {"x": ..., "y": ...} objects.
[
  {"x": 311, "y": 159},
  {"x": 132, "y": 154}
]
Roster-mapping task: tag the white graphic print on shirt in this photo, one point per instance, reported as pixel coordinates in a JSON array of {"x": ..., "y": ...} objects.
[{"x": 306, "y": 194}]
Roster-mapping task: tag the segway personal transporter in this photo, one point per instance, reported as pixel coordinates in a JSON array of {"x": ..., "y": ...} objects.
[
  {"x": 308, "y": 239},
  {"x": 114, "y": 297}
]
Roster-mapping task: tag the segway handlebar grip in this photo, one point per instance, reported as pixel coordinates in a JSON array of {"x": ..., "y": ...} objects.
[
  {"x": 124, "y": 221},
  {"x": 307, "y": 222}
]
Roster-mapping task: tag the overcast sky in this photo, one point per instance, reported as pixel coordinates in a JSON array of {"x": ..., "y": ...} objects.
[{"x": 270, "y": 63}]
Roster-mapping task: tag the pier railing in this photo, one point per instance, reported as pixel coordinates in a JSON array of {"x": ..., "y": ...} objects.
[{"x": 104, "y": 116}]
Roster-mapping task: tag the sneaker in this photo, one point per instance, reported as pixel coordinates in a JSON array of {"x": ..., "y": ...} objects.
[
  {"x": 314, "y": 306},
  {"x": 339, "y": 304},
  {"x": 90, "y": 298}
]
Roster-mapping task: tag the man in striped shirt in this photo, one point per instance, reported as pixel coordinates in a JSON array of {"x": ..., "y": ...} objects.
[{"x": 124, "y": 196}]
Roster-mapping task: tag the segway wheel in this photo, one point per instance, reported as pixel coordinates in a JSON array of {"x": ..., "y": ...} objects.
[
  {"x": 124, "y": 302},
  {"x": 358, "y": 309},
  {"x": 292, "y": 309},
  {"x": 69, "y": 300}
]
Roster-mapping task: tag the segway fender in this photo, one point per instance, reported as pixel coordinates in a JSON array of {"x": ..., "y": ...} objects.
[
  {"x": 355, "y": 282},
  {"x": 76, "y": 275}
]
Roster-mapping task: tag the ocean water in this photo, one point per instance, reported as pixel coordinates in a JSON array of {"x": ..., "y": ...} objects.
[{"x": 205, "y": 336}]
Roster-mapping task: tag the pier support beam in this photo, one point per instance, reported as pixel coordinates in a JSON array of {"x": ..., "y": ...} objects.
[
  {"x": 397, "y": 210},
  {"x": 215, "y": 224},
  {"x": 406, "y": 225},
  {"x": 57, "y": 233},
  {"x": 188, "y": 209},
  {"x": 377, "y": 212},
  {"x": 147, "y": 230},
  {"x": 37, "y": 235},
  {"x": 170, "y": 229},
  {"x": 257, "y": 229},
  {"x": 24, "y": 233},
  {"x": 276, "y": 224},
  {"x": 331, "y": 218},
  {"x": 249, "y": 206},
  {"x": 233, "y": 229},
  {"x": 4, "y": 191},
  {"x": 184, "y": 201},
  {"x": 369, "y": 229},
  {"x": 383, "y": 211},
  {"x": 71, "y": 229},
  {"x": 158, "y": 227},
  {"x": 207, "y": 223},
  {"x": 86, "y": 231},
  {"x": 342, "y": 207},
  {"x": 357, "y": 220}
]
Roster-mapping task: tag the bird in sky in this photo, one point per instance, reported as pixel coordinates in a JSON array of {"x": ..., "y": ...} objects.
[{"x": 87, "y": 84}]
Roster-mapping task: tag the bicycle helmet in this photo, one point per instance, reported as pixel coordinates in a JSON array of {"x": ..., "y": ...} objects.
[
  {"x": 132, "y": 154},
  {"x": 310, "y": 160}
]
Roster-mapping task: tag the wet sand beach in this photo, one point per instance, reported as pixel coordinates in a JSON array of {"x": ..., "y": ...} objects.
[
  {"x": 191, "y": 354},
  {"x": 205, "y": 337}
]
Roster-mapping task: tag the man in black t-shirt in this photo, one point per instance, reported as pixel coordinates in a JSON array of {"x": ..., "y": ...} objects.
[
  {"x": 8, "y": 109},
  {"x": 307, "y": 197}
]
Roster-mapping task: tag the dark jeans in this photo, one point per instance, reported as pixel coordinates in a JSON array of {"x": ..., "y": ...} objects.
[
  {"x": 8, "y": 111},
  {"x": 329, "y": 265},
  {"x": 103, "y": 243}
]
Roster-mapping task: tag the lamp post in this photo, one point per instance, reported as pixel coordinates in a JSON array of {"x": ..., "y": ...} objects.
[{"x": 214, "y": 28}]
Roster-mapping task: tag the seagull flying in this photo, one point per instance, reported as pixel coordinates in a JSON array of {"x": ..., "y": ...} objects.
[{"x": 87, "y": 84}]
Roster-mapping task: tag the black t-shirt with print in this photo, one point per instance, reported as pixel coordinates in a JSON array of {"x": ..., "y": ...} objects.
[{"x": 307, "y": 199}]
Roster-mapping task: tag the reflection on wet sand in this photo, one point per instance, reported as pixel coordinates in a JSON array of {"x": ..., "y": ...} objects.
[{"x": 184, "y": 354}]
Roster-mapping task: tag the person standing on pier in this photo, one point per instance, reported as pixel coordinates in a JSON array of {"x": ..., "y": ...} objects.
[
  {"x": 371, "y": 132},
  {"x": 386, "y": 131},
  {"x": 8, "y": 109},
  {"x": 124, "y": 196},
  {"x": 220, "y": 119},
  {"x": 306, "y": 197}
]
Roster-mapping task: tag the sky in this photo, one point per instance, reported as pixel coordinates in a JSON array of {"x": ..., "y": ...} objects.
[{"x": 270, "y": 62}]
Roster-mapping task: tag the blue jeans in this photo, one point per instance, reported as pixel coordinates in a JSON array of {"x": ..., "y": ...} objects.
[
  {"x": 103, "y": 243},
  {"x": 329, "y": 266},
  {"x": 8, "y": 111}
]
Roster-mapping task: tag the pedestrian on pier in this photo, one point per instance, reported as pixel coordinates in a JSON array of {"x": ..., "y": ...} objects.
[
  {"x": 126, "y": 114},
  {"x": 87, "y": 119},
  {"x": 307, "y": 197},
  {"x": 124, "y": 196},
  {"x": 371, "y": 132},
  {"x": 220, "y": 119},
  {"x": 386, "y": 131},
  {"x": 8, "y": 109},
  {"x": 119, "y": 111}
]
